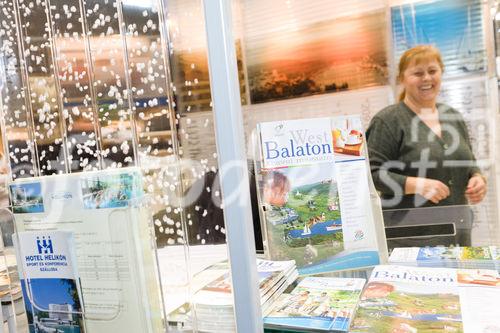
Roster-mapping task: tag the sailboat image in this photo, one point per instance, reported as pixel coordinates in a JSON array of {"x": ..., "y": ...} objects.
[
  {"x": 307, "y": 230},
  {"x": 469, "y": 59}
]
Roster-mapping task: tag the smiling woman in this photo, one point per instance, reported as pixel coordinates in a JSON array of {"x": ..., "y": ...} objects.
[{"x": 420, "y": 154}]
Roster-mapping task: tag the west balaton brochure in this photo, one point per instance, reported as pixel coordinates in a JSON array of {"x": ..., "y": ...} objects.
[
  {"x": 315, "y": 195},
  {"x": 428, "y": 300},
  {"x": 49, "y": 280},
  {"x": 317, "y": 303}
]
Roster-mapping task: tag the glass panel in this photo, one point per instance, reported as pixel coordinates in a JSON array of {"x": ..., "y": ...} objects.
[
  {"x": 280, "y": 55},
  {"x": 111, "y": 81},
  {"x": 14, "y": 98},
  {"x": 76, "y": 88},
  {"x": 147, "y": 62},
  {"x": 39, "y": 58},
  {"x": 197, "y": 220}
]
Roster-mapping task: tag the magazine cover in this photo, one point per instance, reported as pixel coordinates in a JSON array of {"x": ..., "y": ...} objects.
[
  {"x": 311, "y": 172},
  {"x": 320, "y": 303},
  {"x": 424, "y": 300},
  {"x": 49, "y": 281}
]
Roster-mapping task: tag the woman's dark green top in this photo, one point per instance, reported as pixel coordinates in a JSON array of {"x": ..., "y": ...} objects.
[{"x": 400, "y": 144}]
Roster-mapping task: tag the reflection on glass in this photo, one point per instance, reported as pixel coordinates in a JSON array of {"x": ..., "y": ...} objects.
[
  {"x": 111, "y": 84},
  {"x": 13, "y": 98},
  {"x": 41, "y": 83},
  {"x": 76, "y": 92}
]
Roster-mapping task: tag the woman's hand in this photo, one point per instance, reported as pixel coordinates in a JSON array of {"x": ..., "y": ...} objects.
[
  {"x": 431, "y": 189},
  {"x": 476, "y": 189}
]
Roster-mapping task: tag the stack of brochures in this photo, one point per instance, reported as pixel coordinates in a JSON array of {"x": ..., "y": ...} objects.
[
  {"x": 213, "y": 303},
  {"x": 317, "y": 304},
  {"x": 420, "y": 299},
  {"x": 485, "y": 257}
]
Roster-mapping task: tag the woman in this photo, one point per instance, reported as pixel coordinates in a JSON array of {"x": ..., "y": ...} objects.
[{"x": 420, "y": 154}]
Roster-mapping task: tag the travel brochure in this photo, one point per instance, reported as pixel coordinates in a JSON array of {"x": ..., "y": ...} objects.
[
  {"x": 50, "y": 281},
  {"x": 111, "y": 191},
  {"x": 314, "y": 194},
  {"x": 111, "y": 243},
  {"x": 213, "y": 303},
  {"x": 486, "y": 257},
  {"x": 319, "y": 303},
  {"x": 218, "y": 292},
  {"x": 425, "y": 300}
]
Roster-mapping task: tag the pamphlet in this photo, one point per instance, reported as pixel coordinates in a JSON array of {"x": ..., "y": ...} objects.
[
  {"x": 213, "y": 302},
  {"x": 318, "y": 303},
  {"x": 484, "y": 257},
  {"x": 425, "y": 300},
  {"x": 219, "y": 293},
  {"x": 315, "y": 194},
  {"x": 112, "y": 237},
  {"x": 49, "y": 281}
]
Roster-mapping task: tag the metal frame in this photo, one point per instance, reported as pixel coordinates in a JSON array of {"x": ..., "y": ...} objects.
[{"x": 233, "y": 167}]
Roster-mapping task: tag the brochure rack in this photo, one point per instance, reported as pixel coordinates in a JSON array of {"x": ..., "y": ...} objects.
[
  {"x": 87, "y": 236},
  {"x": 7, "y": 293},
  {"x": 314, "y": 194}
]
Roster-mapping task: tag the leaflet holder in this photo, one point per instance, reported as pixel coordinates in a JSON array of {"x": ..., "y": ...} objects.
[
  {"x": 7, "y": 284},
  {"x": 428, "y": 226},
  {"x": 101, "y": 233}
]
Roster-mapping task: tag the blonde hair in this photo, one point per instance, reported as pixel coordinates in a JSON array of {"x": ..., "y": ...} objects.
[{"x": 416, "y": 55}]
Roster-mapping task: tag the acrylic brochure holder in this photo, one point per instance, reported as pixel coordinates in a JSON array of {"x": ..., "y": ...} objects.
[
  {"x": 8, "y": 289},
  {"x": 315, "y": 195},
  {"x": 85, "y": 253}
]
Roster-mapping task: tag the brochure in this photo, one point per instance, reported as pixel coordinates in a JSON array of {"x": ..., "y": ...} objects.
[
  {"x": 317, "y": 303},
  {"x": 213, "y": 302},
  {"x": 219, "y": 292},
  {"x": 485, "y": 257},
  {"x": 315, "y": 194},
  {"x": 49, "y": 281},
  {"x": 425, "y": 300},
  {"x": 113, "y": 247}
]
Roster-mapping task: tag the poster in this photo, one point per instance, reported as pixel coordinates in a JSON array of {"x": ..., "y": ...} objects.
[
  {"x": 453, "y": 26},
  {"x": 305, "y": 59}
]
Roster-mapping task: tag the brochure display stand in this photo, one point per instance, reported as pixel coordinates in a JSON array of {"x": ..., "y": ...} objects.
[
  {"x": 7, "y": 292},
  {"x": 86, "y": 239},
  {"x": 315, "y": 195}
]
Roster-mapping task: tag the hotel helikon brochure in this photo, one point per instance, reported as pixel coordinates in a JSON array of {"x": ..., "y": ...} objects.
[
  {"x": 109, "y": 221},
  {"x": 50, "y": 282},
  {"x": 315, "y": 195}
]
